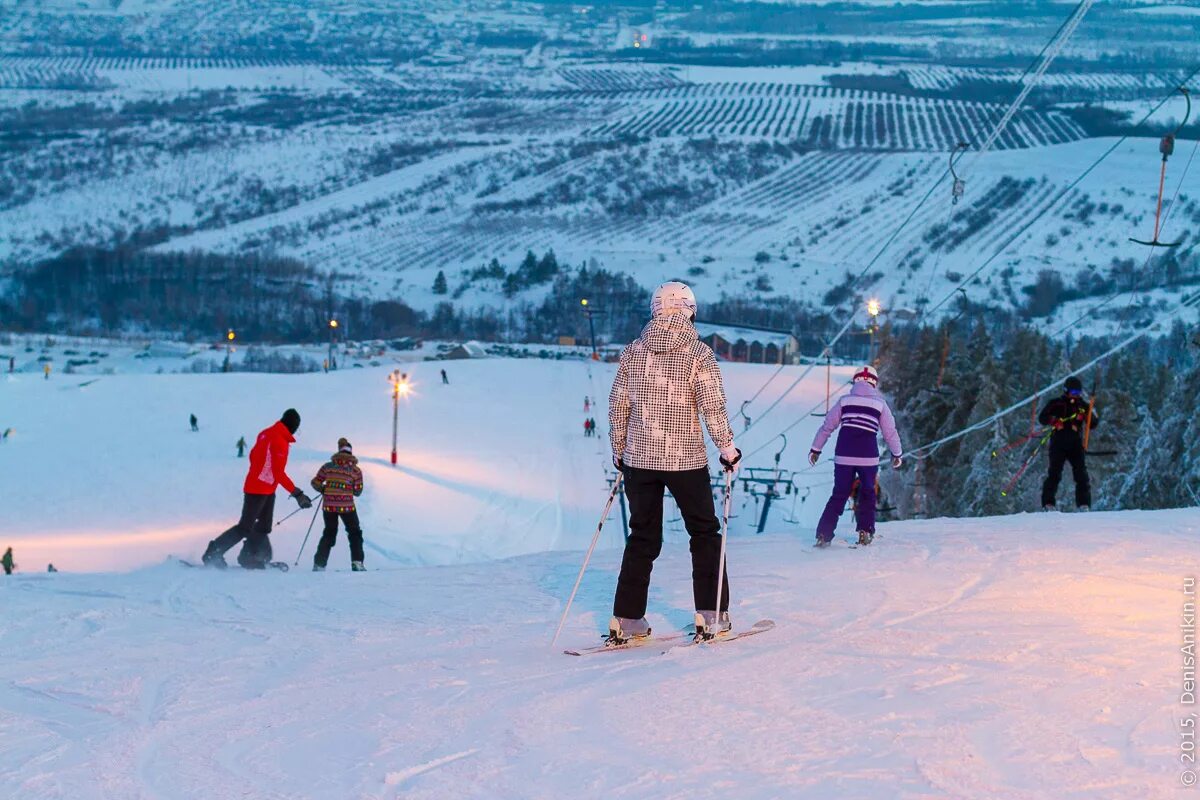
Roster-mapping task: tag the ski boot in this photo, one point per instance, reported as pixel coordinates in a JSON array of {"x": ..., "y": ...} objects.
[
  {"x": 821, "y": 544},
  {"x": 213, "y": 557},
  {"x": 357, "y": 566},
  {"x": 865, "y": 538},
  {"x": 709, "y": 627},
  {"x": 1085, "y": 509},
  {"x": 1050, "y": 507},
  {"x": 621, "y": 630},
  {"x": 318, "y": 567}
]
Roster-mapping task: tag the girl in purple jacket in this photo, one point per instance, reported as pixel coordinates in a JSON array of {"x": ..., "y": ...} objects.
[{"x": 863, "y": 415}]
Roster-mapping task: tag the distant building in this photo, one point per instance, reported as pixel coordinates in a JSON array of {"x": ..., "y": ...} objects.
[
  {"x": 749, "y": 344},
  {"x": 467, "y": 350}
]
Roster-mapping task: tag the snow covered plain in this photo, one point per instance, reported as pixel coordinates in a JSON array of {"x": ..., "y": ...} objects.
[{"x": 1023, "y": 657}]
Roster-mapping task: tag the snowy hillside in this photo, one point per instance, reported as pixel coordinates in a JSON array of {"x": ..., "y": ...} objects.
[
  {"x": 492, "y": 465},
  {"x": 768, "y": 157}
]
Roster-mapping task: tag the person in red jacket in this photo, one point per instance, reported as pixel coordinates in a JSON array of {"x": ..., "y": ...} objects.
[{"x": 268, "y": 469}]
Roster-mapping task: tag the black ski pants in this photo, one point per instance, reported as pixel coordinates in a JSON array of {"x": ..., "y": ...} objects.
[
  {"x": 258, "y": 512},
  {"x": 1063, "y": 450},
  {"x": 693, "y": 494},
  {"x": 329, "y": 536}
]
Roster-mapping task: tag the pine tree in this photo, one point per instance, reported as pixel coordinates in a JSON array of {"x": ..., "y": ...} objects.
[{"x": 439, "y": 283}]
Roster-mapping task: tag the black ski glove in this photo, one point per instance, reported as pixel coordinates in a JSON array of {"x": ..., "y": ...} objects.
[
  {"x": 619, "y": 463},
  {"x": 302, "y": 500}
]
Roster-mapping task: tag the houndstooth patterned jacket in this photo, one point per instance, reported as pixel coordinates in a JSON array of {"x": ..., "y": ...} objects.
[{"x": 667, "y": 379}]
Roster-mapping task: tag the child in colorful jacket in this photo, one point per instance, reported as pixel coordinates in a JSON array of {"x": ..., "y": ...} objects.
[
  {"x": 862, "y": 416},
  {"x": 339, "y": 481}
]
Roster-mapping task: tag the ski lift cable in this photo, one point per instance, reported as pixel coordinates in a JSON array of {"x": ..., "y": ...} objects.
[
  {"x": 1047, "y": 56},
  {"x": 850, "y": 318},
  {"x": 1019, "y": 232},
  {"x": 774, "y": 375},
  {"x": 1049, "y": 52},
  {"x": 1145, "y": 264},
  {"x": 927, "y": 449},
  {"x": 798, "y": 420}
]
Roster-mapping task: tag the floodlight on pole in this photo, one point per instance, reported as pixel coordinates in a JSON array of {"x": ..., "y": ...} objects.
[
  {"x": 874, "y": 310},
  {"x": 590, "y": 313},
  {"x": 400, "y": 388},
  {"x": 333, "y": 324}
]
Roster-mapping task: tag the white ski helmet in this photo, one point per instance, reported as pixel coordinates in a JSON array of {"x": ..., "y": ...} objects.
[
  {"x": 671, "y": 297},
  {"x": 867, "y": 374}
]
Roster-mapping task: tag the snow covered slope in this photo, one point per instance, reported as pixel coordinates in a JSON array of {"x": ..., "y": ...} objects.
[
  {"x": 493, "y": 465},
  {"x": 1021, "y": 658},
  {"x": 1024, "y": 657}
]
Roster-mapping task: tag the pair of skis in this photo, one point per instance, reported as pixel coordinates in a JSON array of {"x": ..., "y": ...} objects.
[
  {"x": 282, "y": 566},
  {"x": 674, "y": 641}
]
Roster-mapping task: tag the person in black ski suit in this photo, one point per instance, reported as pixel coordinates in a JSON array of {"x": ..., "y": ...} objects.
[{"x": 1068, "y": 415}]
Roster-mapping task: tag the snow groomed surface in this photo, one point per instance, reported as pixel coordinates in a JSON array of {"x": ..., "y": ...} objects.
[
  {"x": 1028, "y": 657},
  {"x": 1034, "y": 656}
]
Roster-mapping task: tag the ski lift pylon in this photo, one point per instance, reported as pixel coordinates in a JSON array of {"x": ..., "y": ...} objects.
[
  {"x": 1167, "y": 148},
  {"x": 960, "y": 185}
]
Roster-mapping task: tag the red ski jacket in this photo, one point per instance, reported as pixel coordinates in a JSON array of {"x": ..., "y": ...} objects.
[{"x": 268, "y": 461}]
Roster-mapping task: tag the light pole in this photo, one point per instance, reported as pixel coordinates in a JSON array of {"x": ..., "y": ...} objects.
[
  {"x": 229, "y": 337},
  {"x": 873, "y": 310},
  {"x": 590, "y": 312},
  {"x": 400, "y": 386},
  {"x": 333, "y": 324}
]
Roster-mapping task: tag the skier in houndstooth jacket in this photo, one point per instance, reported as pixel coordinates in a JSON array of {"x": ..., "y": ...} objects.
[{"x": 666, "y": 381}]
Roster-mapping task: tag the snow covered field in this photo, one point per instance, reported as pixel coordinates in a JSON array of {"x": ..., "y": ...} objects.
[{"x": 1025, "y": 657}]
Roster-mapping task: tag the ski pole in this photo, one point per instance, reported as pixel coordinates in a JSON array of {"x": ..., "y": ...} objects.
[
  {"x": 289, "y": 516},
  {"x": 724, "y": 535},
  {"x": 1028, "y": 461},
  {"x": 1015, "y": 443},
  {"x": 310, "y": 527},
  {"x": 607, "y": 507}
]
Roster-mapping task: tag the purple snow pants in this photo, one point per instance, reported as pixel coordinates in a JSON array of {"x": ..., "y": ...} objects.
[{"x": 843, "y": 483}]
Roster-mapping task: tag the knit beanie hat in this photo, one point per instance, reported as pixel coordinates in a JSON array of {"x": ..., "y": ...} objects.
[
  {"x": 291, "y": 420},
  {"x": 344, "y": 445}
]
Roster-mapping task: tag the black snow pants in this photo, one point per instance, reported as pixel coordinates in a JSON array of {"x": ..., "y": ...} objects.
[
  {"x": 1067, "y": 447},
  {"x": 693, "y": 494},
  {"x": 258, "y": 511},
  {"x": 329, "y": 536}
]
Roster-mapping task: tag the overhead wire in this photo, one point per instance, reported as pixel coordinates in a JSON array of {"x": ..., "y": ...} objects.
[
  {"x": 1021, "y": 231},
  {"x": 1047, "y": 55},
  {"x": 929, "y": 448},
  {"x": 850, "y": 319},
  {"x": 1135, "y": 290},
  {"x": 1044, "y": 60}
]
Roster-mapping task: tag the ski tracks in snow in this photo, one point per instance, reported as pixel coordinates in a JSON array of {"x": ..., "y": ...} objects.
[{"x": 951, "y": 659}]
